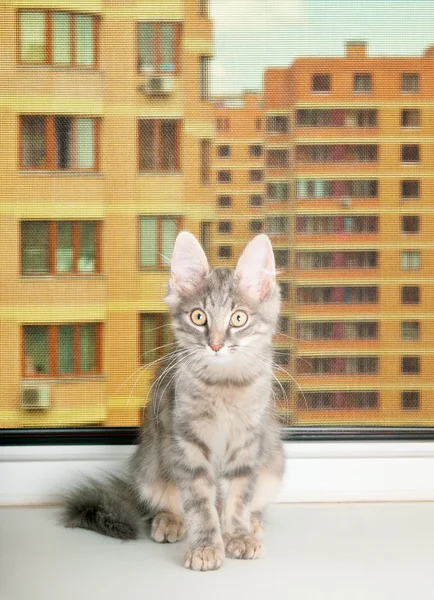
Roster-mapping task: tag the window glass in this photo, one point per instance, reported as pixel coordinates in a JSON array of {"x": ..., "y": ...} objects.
[
  {"x": 146, "y": 46},
  {"x": 61, "y": 38},
  {"x": 85, "y": 144},
  {"x": 35, "y": 247},
  {"x": 148, "y": 242},
  {"x": 88, "y": 333},
  {"x": 64, "y": 253},
  {"x": 66, "y": 349},
  {"x": 36, "y": 349},
  {"x": 32, "y": 32},
  {"x": 84, "y": 40}
]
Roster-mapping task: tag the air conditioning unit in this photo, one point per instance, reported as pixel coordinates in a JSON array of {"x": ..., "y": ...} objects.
[
  {"x": 157, "y": 85},
  {"x": 346, "y": 202},
  {"x": 35, "y": 397}
]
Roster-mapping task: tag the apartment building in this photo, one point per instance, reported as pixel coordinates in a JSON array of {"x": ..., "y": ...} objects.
[
  {"x": 349, "y": 150},
  {"x": 106, "y": 144}
]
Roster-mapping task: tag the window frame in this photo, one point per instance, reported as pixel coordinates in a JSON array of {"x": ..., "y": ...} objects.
[
  {"x": 53, "y": 351},
  {"x": 157, "y": 126},
  {"x": 49, "y": 41},
  {"x": 52, "y": 246},
  {"x": 177, "y": 46},
  {"x": 50, "y": 144},
  {"x": 160, "y": 266}
]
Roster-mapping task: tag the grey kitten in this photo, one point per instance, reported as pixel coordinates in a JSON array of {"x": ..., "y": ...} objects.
[{"x": 210, "y": 457}]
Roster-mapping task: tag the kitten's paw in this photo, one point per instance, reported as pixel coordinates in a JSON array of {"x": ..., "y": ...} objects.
[
  {"x": 205, "y": 558},
  {"x": 244, "y": 546},
  {"x": 167, "y": 527}
]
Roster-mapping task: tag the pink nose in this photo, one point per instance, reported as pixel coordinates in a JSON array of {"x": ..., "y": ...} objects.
[{"x": 215, "y": 346}]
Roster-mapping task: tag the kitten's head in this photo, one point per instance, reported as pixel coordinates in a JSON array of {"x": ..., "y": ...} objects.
[{"x": 224, "y": 319}]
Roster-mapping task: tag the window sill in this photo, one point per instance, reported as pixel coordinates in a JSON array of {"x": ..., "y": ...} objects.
[
  {"x": 60, "y": 68},
  {"x": 58, "y": 173},
  {"x": 74, "y": 277},
  {"x": 315, "y": 471},
  {"x": 160, "y": 173},
  {"x": 61, "y": 380}
]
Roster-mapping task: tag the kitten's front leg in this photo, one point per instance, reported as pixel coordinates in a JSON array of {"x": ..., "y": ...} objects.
[
  {"x": 236, "y": 520},
  {"x": 196, "y": 483}
]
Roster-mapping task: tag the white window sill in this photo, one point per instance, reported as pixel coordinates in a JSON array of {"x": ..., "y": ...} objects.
[{"x": 315, "y": 471}]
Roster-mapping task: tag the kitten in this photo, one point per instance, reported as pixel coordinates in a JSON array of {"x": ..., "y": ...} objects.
[{"x": 210, "y": 457}]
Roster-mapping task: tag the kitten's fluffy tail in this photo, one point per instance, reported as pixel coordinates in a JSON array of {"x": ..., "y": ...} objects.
[{"x": 110, "y": 507}]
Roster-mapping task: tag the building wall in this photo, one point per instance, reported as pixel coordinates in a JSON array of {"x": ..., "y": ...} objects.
[
  {"x": 117, "y": 195},
  {"x": 386, "y": 96}
]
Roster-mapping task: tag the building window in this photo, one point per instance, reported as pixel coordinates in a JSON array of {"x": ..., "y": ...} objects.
[
  {"x": 340, "y": 400},
  {"x": 58, "y": 38},
  {"x": 277, "y": 124},
  {"x": 205, "y": 162},
  {"x": 224, "y": 176},
  {"x": 224, "y": 151},
  {"x": 157, "y": 238},
  {"x": 410, "y": 153},
  {"x": 283, "y": 324},
  {"x": 255, "y": 175},
  {"x": 336, "y": 117},
  {"x": 255, "y": 151},
  {"x": 410, "y": 117},
  {"x": 67, "y": 350},
  {"x": 410, "y": 330},
  {"x": 59, "y": 143},
  {"x": 159, "y": 145},
  {"x": 159, "y": 47},
  {"x": 337, "y": 295},
  {"x": 362, "y": 82},
  {"x": 337, "y": 365},
  {"x": 325, "y": 188},
  {"x": 337, "y": 260},
  {"x": 205, "y": 62},
  {"x": 410, "y": 294},
  {"x": 321, "y": 82},
  {"x": 277, "y": 225},
  {"x": 277, "y": 190},
  {"x": 155, "y": 336},
  {"x": 281, "y": 257},
  {"x": 224, "y": 201},
  {"x": 255, "y": 201},
  {"x": 410, "y": 224},
  {"x": 204, "y": 8},
  {"x": 60, "y": 247},
  {"x": 225, "y": 251},
  {"x": 256, "y": 226},
  {"x": 338, "y": 153},
  {"x": 225, "y": 227},
  {"x": 223, "y": 124},
  {"x": 410, "y": 259},
  {"x": 410, "y": 82},
  {"x": 410, "y": 400},
  {"x": 284, "y": 290},
  {"x": 410, "y": 188},
  {"x": 410, "y": 365},
  {"x": 277, "y": 158},
  {"x": 258, "y": 124}
]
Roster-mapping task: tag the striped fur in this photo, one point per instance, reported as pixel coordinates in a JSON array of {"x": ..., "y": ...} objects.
[{"x": 210, "y": 459}]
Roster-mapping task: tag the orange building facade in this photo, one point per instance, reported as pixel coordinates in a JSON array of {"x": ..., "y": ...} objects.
[
  {"x": 345, "y": 194},
  {"x": 106, "y": 133}
]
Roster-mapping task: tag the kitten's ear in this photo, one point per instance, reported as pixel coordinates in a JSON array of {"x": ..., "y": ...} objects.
[
  {"x": 188, "y": 265},
  {"x": 256, "y": 270}
]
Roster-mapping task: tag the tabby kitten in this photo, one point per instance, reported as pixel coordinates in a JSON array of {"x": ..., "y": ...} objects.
[{"x": 210, "y": 457}]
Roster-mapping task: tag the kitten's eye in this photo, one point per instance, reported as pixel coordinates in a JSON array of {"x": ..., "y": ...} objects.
[
  {"x": 239, "y": 318},
  {"x": 198, "y": 317}
]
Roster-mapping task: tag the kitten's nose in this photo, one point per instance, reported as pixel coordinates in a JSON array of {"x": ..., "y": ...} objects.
[{"x": 215, "y": 346}]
